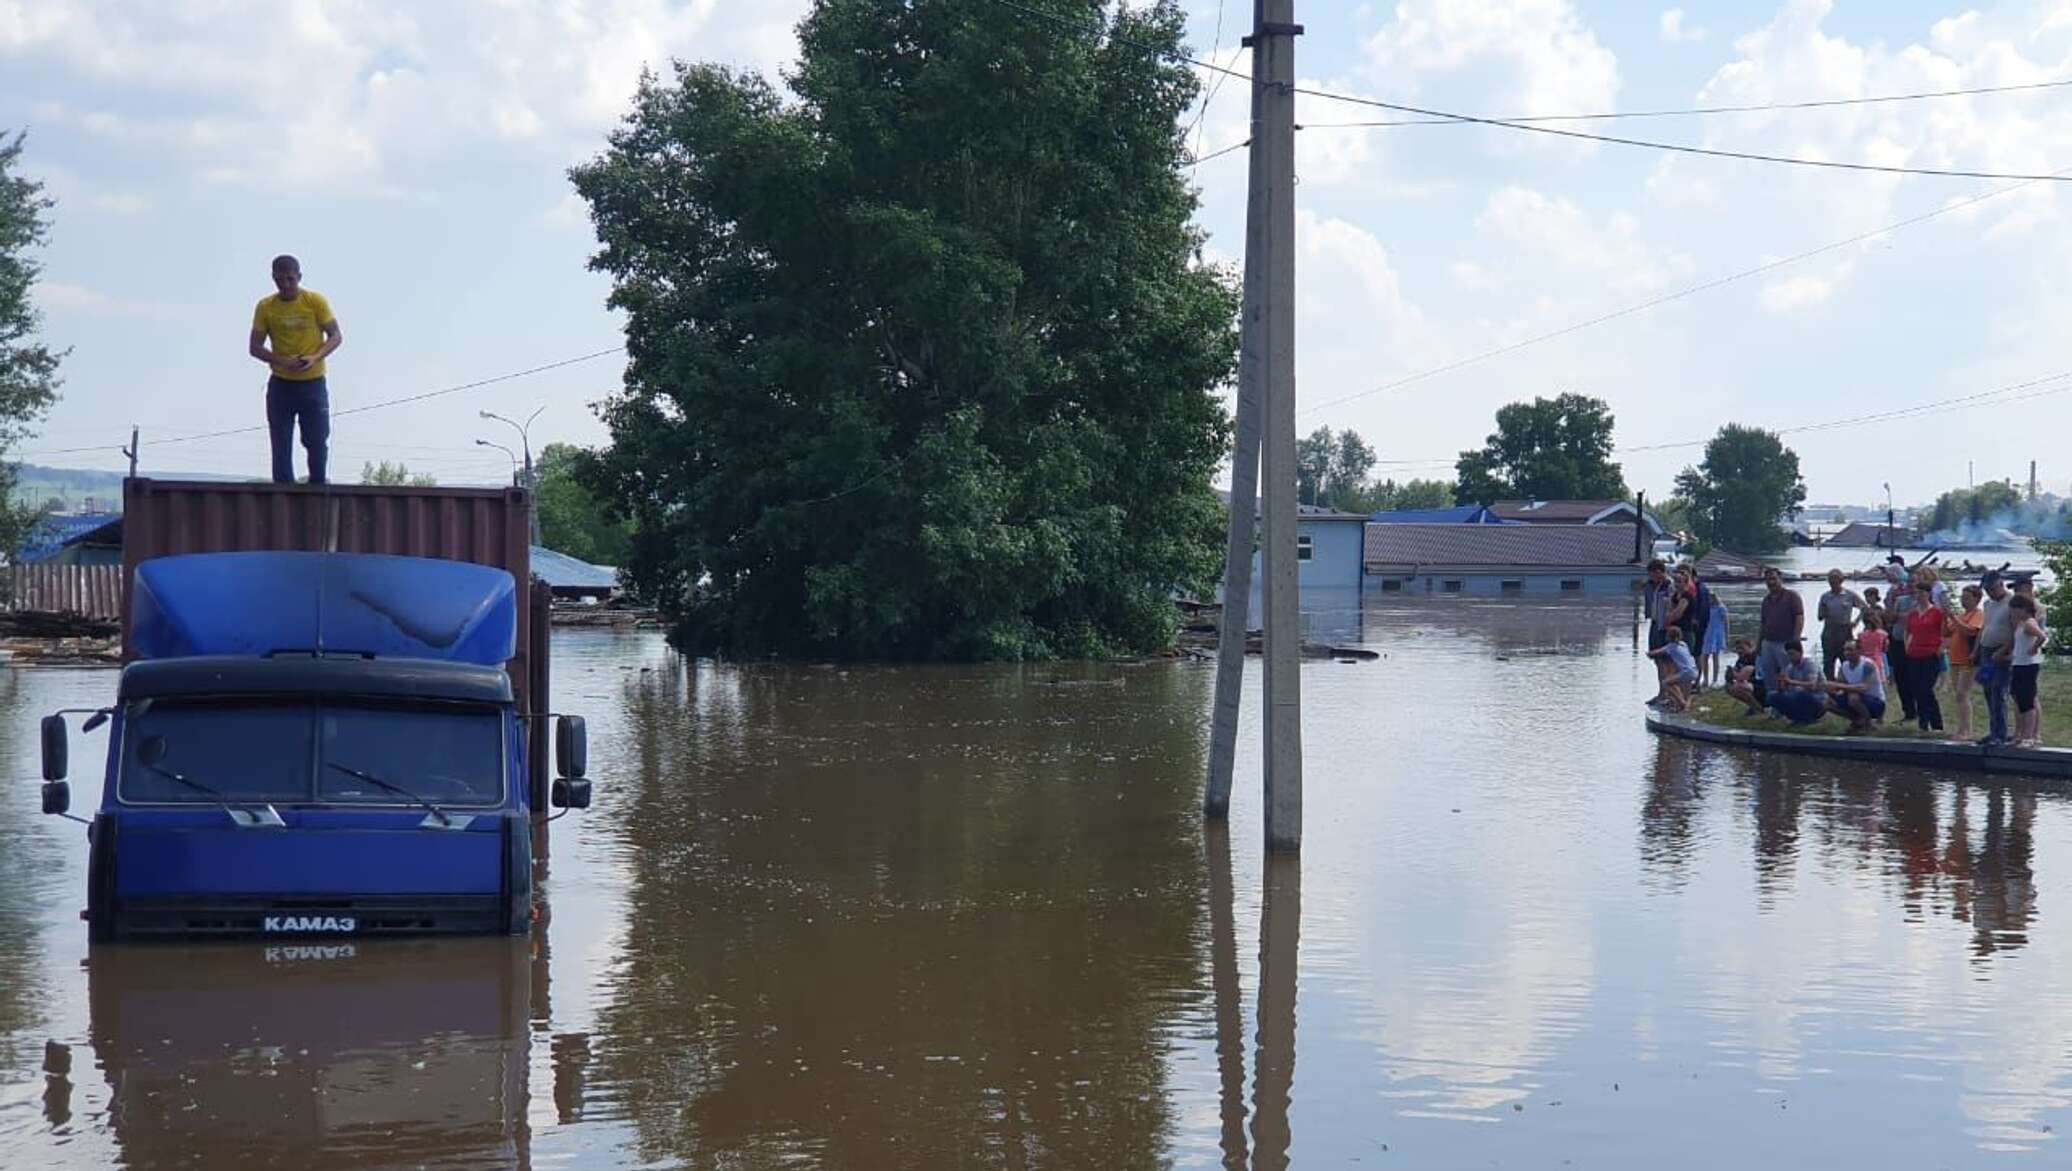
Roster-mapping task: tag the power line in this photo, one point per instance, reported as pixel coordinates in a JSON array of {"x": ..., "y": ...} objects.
[
  {"x": 2035, "y": 388},
  {"x": 1666, "y": 298},
  {"x": 1528, "y": 127},
  {"x": 375, "y": 406},
  {"x": 1219, "y": 152},
  {"x": 1677, "y": 147},
  {"x": 1215, "y": 46},
  {"x": 1692, "y": 111}
]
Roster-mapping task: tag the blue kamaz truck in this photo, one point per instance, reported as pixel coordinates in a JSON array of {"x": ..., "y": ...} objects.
[{"x": 318, "y": 743}]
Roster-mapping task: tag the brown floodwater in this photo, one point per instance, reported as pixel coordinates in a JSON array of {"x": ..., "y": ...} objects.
[{"x": 899, "y": 917}]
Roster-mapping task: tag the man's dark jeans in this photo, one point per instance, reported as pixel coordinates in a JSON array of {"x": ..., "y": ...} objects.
[
  {"x": 1996, "y": 693},
  {"x": 289, "y": 402}
]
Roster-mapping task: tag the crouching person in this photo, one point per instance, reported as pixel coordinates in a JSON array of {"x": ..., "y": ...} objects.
[
  {"x": 1744, "y": 678},
  {"x": 1857, "y": 693},
  {"x": 1799, "y": 694},
  {"x": 1679, "y": 670}
]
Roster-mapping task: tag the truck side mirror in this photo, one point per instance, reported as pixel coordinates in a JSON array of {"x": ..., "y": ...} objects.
[
  {"x": 571, "y": 747},
  {"x": 57, "y": 756},
  {"x": 57, "y": 798},
  {"x": 571, "y": 793}
]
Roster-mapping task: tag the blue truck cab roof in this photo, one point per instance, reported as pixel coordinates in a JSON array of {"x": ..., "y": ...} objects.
[{"x": 366, "y": 605}]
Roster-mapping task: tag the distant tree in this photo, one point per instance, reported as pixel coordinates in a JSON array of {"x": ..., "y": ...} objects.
[
  {"x": 395, "y": 475},
  {"x": 1556, "y": 448},
  {"x": 573, "y": 519},
  {"x": 1747, "y": 482},
  {"x": 923, "y": 355},
  {"x": 1423, "y": 494},
  {"x": 2057, "y": 555},
  {"x": 1315, "y": 454},
  {"x": 1994, "y": 501},
  {"x": 28, "y": 368},
  {"x": 1350, "y": 462}
]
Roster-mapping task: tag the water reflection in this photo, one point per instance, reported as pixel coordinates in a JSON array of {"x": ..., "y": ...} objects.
[
  {"x": 1280, "y": 926},
  {"x": 842, "y": 948},
  {"x": 320, "y": 1054}
]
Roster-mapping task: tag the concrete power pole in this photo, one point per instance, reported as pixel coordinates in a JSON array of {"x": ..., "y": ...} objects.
[
  {"x": 1244, "y": 490},
  {"x": 1274, "y": 143},
  {"x": 1266, "y": 404}
]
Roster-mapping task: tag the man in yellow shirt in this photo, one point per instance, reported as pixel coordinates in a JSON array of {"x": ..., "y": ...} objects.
[{"x": 293, "y": 331}]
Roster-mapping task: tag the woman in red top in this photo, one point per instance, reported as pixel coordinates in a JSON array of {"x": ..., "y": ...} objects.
[{"x": 1924, "y": 655}]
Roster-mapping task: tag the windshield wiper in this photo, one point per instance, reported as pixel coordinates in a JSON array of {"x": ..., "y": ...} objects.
[
  {"x": 392, "y": 787},
  {"x": 249, "y": 813}
]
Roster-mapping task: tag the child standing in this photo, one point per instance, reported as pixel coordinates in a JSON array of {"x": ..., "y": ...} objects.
[
  {"x": 2027, "y": 664},
  {"x": 1715, "y": 643},
  {"x": 1872, "y": 639}
]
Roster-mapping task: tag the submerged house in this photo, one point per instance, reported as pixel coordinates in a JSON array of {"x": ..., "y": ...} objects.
[
  {"x": 1503, "y": 559},
  {"x": 1575, "y": 512},
  {"x": 1864, "y": 535},
  {"x": 85, "y": 538},
  {"x": 1327, "y": 548}
]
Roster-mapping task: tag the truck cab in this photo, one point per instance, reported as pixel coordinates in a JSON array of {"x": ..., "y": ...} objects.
[{"x": 315, "y": 744}]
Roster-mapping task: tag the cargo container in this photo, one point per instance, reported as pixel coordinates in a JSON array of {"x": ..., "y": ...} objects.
[{"x": 331, "y": 718}]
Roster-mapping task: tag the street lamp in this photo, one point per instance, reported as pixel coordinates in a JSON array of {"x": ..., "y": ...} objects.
[
  {"x": 507, "y": 451},
  {"x": 1888, "y": 516},
  {"x": 525, "y": 443}
]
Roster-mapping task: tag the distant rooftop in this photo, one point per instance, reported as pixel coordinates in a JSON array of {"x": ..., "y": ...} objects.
[
  {"x": 1459, "y": 514},
  {"x": 1497, "y": 547}
]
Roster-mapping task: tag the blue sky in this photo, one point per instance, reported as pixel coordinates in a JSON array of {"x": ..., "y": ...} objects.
[{"x": 413, "y": 155}]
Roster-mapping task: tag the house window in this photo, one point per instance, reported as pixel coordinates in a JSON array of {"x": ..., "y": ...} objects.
[
  {"x": 1451, "y": 587},
  {"x": 1390, "y": 585},
  {"x": 1511, "y": 587},
  {"x": 1305, "y": 547},
  {"x": 1570, "y": 585}
]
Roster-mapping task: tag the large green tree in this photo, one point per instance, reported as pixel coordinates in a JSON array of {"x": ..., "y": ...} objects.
[
  {"x": 1747, "y": 483},
  {"x": 28, "y": 367},
  {"x": 573, "y": 520},
  {"x": 922, "y": 355},
  {"x": 1556, "y": 448}
]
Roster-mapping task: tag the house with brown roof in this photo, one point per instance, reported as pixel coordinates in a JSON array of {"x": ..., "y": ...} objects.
[
  {"x": 1499, "y": 560},
  {"x": 1575, "y": 512}
]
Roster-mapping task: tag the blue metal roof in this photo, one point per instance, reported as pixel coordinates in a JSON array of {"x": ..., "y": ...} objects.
[
  {"x": 562, "y": 572},
  {"x": 54, "y": 532},
  {"x": 1460, "y": 514},
  {"x": 344, "y": 603}
]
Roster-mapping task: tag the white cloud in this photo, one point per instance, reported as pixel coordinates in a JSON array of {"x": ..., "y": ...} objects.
[
  {"x": 569, "y": 213},
  {"x": 60, "y": 296},
  {"x": 346, "y": 94},
  {"x": 1795, "y": 293},
  {"x": 1518, "y": 56},
  {"x": 1675, "y": 32}
]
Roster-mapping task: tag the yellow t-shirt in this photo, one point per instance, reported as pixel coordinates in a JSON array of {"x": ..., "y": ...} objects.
[{"x": 294, "y": 328}]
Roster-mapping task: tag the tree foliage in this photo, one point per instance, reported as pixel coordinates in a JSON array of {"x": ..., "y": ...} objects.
[
  {"x": 1747, "y": 483},
  {"x": 921, "y": 357},
  {"x": 573, "y": 520},
  {"x": 2057, "y": 555},
  {"x": 1979, "y": 512},
  {"x": 1333, "y": 469},
  {"x": 395, "y": 475},
  {"x": 1556, "y": 448},
  {"x": 28, "y": 368}
]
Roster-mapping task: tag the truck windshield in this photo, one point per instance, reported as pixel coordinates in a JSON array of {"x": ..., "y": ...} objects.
[{"x": 280, "y": 751}]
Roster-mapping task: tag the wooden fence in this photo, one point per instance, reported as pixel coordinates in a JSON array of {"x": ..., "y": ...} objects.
[{"x": 91, "y": 591}]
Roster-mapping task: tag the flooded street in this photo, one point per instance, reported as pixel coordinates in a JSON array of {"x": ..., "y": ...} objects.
[{"x": 907, "y": 917}]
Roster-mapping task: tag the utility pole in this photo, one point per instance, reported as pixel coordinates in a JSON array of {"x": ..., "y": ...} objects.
[
  {"x": 1265, "y": 416},
  {"x": 131, "y": 452},
  {"x": 1244, "y": 487},
  {"x": 1273, "y": 144}
]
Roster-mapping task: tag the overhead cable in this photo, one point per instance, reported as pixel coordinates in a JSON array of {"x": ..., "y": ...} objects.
[{"x": 1527, "y": 127}]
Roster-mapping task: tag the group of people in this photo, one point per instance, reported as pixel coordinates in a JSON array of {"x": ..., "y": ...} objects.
[{"x": 1874, "y": 647}]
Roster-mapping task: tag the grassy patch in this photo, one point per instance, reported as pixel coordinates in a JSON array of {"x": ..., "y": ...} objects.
[{"x": 2054, "y": 692}]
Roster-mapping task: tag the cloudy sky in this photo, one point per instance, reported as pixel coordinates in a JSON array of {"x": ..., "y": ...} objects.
[{"x": 414, "y": 154}]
